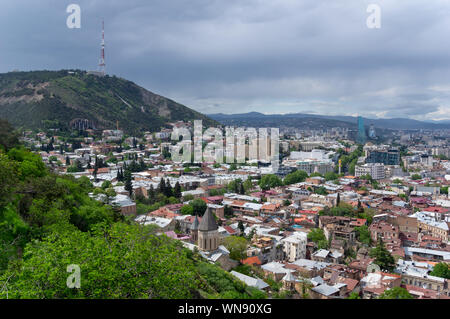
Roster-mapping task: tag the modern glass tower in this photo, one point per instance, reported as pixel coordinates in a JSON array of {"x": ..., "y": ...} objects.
[{"x": 361, "y": 137}]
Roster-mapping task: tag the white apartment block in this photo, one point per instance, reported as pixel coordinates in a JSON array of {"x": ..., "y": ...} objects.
[
  {"x": 294, "y": 246},
  {"x": 376, "y": 170}
]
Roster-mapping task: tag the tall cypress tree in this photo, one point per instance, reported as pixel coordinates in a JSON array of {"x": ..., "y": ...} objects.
[
  {"x": 95, "y": 173},
  {"x": 168, "y": 192},
  {"x": 177, "y": 190},
  {"x": 241, "y": 189},
  {"x": 162, "y": 186},
  {"x": 151, "y": 195},
  {"x": 128, "y": 182},
  {"x": 142, "y": 164}
]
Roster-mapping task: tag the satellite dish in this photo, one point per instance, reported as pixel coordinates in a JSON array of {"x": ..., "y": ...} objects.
[{"x": 373, "y": 268}]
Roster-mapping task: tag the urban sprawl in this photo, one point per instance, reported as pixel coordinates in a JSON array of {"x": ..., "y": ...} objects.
[{"x": 342, "y": 216}]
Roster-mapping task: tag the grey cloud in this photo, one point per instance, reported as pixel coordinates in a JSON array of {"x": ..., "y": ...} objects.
[{"x": 250, "y": 55}]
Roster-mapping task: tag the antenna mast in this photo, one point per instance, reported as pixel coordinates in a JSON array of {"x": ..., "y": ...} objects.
[{"x": 102, "y": 65}]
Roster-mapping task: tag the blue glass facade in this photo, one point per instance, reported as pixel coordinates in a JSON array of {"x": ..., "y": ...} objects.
[{"x": 361, "y": 137}]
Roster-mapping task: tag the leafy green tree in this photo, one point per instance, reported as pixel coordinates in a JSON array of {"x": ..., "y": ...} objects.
[
  {"x": 222, "y": 284},
  {"x": 8, "y": 137},
  {"x": 30, "y": 164},
  {"x": 110, "y": 192},
  {"x": 228, "y": 211},
  {"x": 106, "y": 184},
  {"x": 270, "y": 181},
  {"x": 441, "y": 270},
  {"x": 199, "y": 206},
  {"x": 248, "y": 185},
  {"x": 102, "y": 257},
  {"x": 363, "y": 234},
  {"x": 396, "y": 293},
  {"x": 187, "y": 210},
  {"x": 234, "y": 185},
  {"x": 76, "y": 167},
  {"x": 317, "y": 236},
  {"x": 8, "y": 179},
  {"x": 331, "y": 176},
  {"x": 85, "y": 183},
  {"x": 351, "y": 167},
  {"x": 306, "y": 286},
  {"x": 188, "y": 197},
  {"x": 416, "y": 177},
  {"x": 187, "y": 170},
  {"x": 286, "y": 202},
  {"x": 237, "y": 246},
  {"x": 383, "y": 257},
  {"x": 14, "y": 234},
  {"x": 321, "y": 191},
  {"x": 354, "y": 295},
  {"x": 295, "y": 177}
]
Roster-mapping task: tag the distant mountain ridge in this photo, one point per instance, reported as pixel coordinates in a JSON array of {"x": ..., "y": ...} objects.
[
  {"x": 301, "y": 119},
  {"x": 39, "y": 99}
]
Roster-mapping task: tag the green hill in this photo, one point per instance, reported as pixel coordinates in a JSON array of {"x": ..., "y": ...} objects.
[{"x": 56, "y": 99}]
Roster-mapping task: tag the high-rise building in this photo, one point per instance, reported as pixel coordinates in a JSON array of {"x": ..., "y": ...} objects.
[
  {"x": 385, "y": 156},
  {"x": 372, "y": 133},
  {"x": 361, "y": 137}
]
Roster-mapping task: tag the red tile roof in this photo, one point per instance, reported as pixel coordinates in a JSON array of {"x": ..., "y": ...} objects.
[
  {"x": 229, "y": 229},
  {"x": 251, "y": 261}
]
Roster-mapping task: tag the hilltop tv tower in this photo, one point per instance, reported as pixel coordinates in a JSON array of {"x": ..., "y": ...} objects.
[{"x": 102, "y": 65}]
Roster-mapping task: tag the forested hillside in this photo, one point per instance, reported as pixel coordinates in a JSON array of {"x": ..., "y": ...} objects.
[{"x": 54, "y": 99}]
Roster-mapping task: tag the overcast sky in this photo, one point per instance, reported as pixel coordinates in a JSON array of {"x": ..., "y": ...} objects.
[{"x": 236, "y": 56}]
